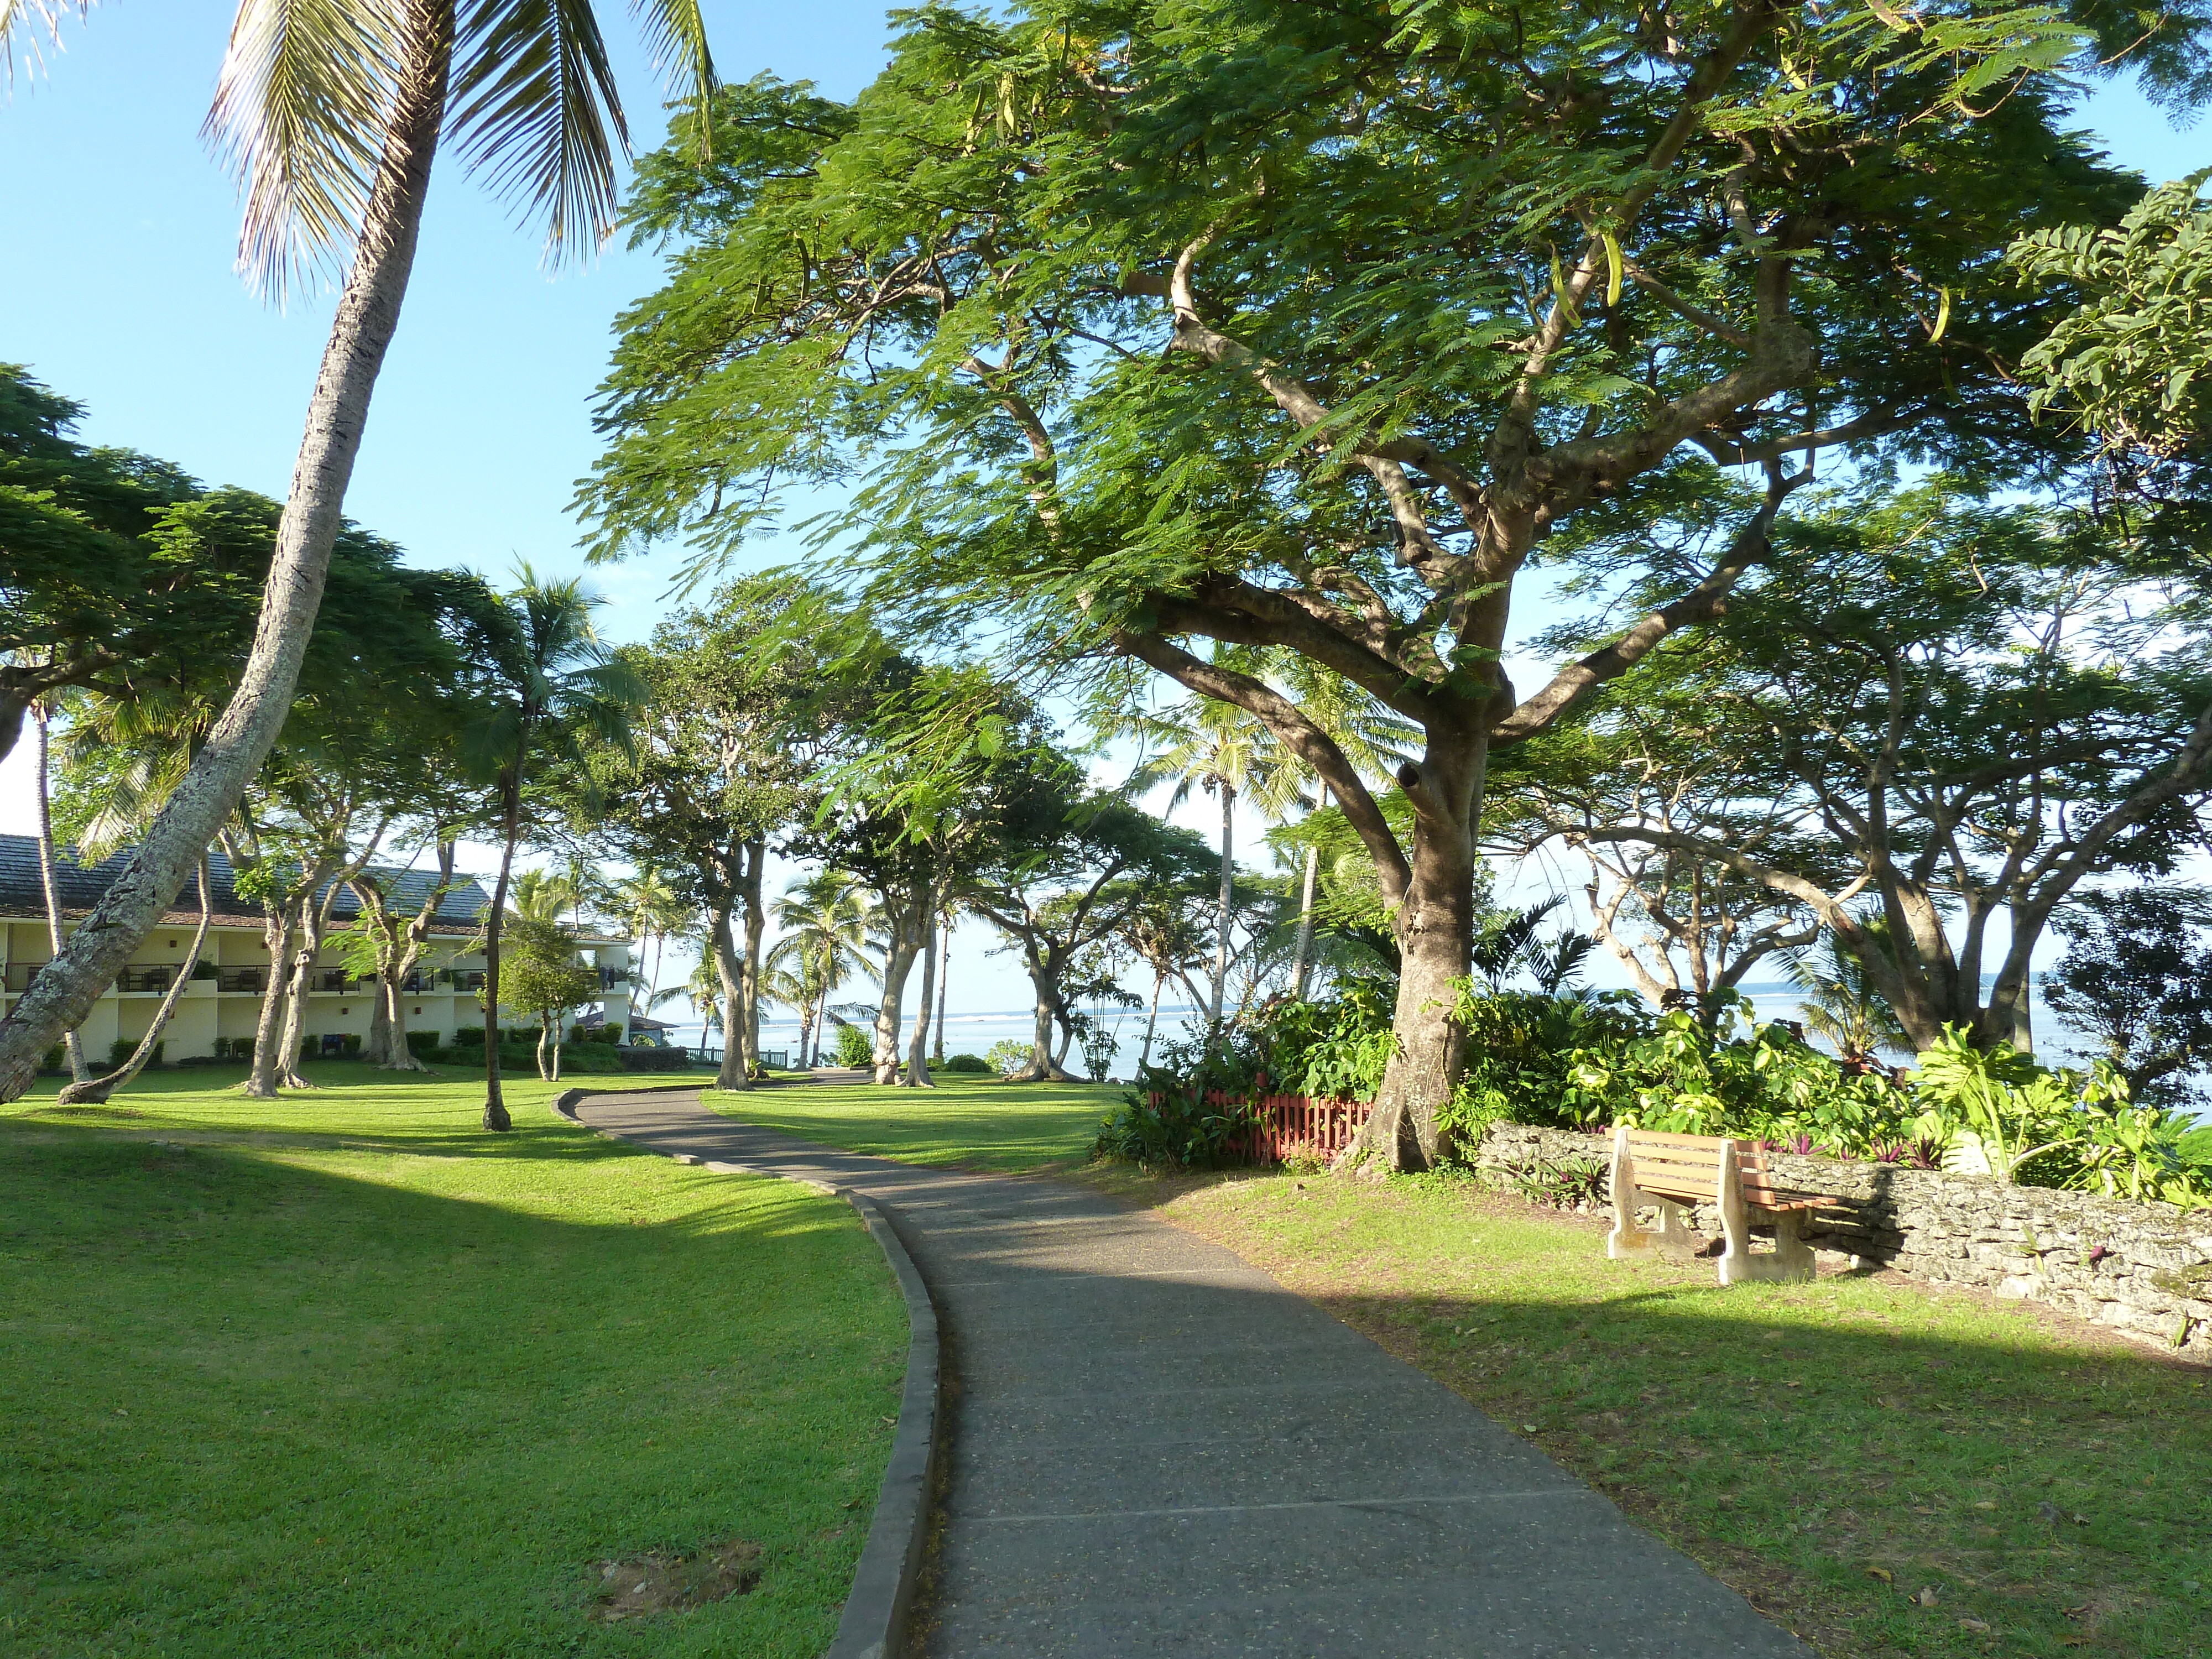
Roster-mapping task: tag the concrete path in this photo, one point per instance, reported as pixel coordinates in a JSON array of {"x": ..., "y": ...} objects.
[{"x": 1157, "y": 1449}]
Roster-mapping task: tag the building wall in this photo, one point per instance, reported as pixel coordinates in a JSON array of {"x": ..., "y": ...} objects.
[{"x": 203, "y": 1012}]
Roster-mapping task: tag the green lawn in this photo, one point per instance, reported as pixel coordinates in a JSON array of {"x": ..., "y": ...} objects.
[
  {"x": 343, "y": 1374},
  {"x": 979, "y": 1122},
  {"x": 1832, "y": 1450}
]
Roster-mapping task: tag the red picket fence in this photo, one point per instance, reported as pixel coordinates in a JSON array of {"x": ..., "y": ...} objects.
[{"x": 1295, "y": 1126}]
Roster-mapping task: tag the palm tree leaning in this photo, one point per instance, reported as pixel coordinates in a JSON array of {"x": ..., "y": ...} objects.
[
  {"x": 551, "y": 679},
  {"x": 331, "y": 115}
]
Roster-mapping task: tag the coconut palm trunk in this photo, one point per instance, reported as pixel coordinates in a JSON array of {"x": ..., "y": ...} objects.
[
  {"x": 337, "y": 414},
  {"x": 79, "y": 1072},
  {"x": 1152, "y": 1021},
  {"x": 98, "y": 1090},
  {"x": 944, "y": 985},
  {"x": 1303, "y": 956},
  {"x": 1221, "y": 914},
  {"x": 496, "y": 1116}
]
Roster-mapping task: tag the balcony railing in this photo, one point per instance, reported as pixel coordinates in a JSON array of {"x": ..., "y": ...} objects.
[
  {"x": 465, "y": 979},
  {"x": 255, "y": 980},
  {"x": 610, "y": 977},
  {"x": 157, "y": 978}
]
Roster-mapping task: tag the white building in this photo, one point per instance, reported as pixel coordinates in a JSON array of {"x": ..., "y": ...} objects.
[{"x": 222, "y": 1001}]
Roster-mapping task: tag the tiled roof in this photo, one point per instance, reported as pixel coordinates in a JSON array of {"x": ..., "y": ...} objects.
[{"x": 79, "y": 890}]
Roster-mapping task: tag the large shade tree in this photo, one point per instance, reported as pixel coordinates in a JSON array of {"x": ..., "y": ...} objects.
[
  {"x": 1148, "y": 325},
  {"x": 332, "y": 115},
  {"x": 1997, "y": 709},
  {"x": 720, "y": 761}
]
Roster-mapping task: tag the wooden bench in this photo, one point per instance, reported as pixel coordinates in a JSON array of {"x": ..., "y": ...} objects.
[{"x": 1671, "y": 1171}]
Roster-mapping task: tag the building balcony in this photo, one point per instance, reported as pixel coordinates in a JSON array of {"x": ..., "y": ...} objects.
[
  {"x": 20, "y": 973},
  {"x": 253, "y": 980}
]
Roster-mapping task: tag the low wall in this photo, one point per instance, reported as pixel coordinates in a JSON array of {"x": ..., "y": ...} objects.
[{"x": 2144, "y": 1270}]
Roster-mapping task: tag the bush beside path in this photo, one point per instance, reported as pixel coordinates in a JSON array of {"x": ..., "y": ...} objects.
[{"x": 342, "y": 1370}]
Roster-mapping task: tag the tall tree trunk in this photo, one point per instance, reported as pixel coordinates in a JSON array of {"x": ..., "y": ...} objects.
[
  {"x": 367, "y": 312},
  {"x": 917, "y": 1050},
  {"x": 1221, "y": 913},
  {"x": 730, "y": 969},
  {"x": 756, "y": 927},
  {"x": 92, "y": 1093},
  {"x": 307, "y": 944},
  {"x": 1151, "y": 1020},
  {"x": 1436, "y": 939},
  {"x": 944, "y": 983},
  {"x": 402, "y": 952},
  {"x": 80, "y": 1073},
  {"x": 1304, "y": 957},
  {"x": 496, "y": 1117},
  {"x": 898, "y": 963},
  {"x": 1044, "y": 964},
  {"x": 546, "y": 1070},
  {"x": 262, "y": 1080}
]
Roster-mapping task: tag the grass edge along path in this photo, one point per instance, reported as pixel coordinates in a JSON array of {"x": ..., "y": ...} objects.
[
  {"x": 342, "y": 1372},
  {"x": 963, "y": 1122},
  {"x": 1888, "y": 1468}
]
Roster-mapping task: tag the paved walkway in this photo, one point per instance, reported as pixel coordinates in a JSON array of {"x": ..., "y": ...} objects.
[{"x": 1157, "y": 1449}]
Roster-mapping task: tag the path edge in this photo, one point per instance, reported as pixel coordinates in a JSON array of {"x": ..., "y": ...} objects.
[{"x": 874, "y": 1623}]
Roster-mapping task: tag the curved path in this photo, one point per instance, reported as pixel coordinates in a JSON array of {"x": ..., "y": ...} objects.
[{"x": 1156, "y": 1448}]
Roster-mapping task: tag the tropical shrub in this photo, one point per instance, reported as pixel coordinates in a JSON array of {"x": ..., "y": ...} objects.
[
  {"x": 855, "y": 1047},
  {"x": 966, "y": 1063},
  {"x": 1008, "y": 1056}
]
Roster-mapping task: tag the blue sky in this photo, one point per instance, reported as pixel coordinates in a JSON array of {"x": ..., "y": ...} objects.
[{"x": 117, "y": 287}]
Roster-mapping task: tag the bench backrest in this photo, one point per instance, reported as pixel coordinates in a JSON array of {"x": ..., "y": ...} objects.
[
  {"x": 1688, "y": 1167},
  {"x": 1759, "y": 1188},
  {"x": 1677, "y": 1166}
]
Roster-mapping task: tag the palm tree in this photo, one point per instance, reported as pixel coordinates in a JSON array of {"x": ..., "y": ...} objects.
[
  {"x": 1842, "y": 1004},
  {"x": 550, "y": 679},
  {"x": 1208, "y": 744},
  {"x": 829, "y": 919},
  {"x": 1374, "y": 741},
  {"x": 331, "y": 115},
  {"x": 651, "y": 909}
]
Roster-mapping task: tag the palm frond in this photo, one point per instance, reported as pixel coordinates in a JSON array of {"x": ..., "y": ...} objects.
[
  {"x": 534, "y": 102},
  {"x": 299, "y": 111},
  {"x": 33, "y": 20}
]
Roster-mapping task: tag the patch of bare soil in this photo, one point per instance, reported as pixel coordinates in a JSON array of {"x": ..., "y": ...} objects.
[{"x": 646, "y": 1585}]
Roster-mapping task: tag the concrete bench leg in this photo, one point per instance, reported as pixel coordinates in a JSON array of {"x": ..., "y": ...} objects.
[{"x": 1627, "y": 1238}]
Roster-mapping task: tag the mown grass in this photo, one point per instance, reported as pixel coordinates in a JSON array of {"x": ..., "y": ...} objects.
[
  {"x": 342, "y": 1374},
  {"x": 1830, "y": 1450},
  {"x": 975, "y": 1122}
]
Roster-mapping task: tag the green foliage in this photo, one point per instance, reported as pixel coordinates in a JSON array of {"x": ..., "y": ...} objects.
[
  {"x": 1008, "y": 1056},
  {"x": 975, "y": 1063},
  {"x": 854, "y": 1045},
  {"x": 540, "y": 973},
  {"x": 1335, "y": 1049},
  {"x": 1522, "y": 1057},
  {"x": 2135, "y": 362},
  {"x": 122, "y": 1049},
  {"x": 1184, "y": 1109}
]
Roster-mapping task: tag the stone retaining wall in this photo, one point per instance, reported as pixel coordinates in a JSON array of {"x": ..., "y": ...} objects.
[{"x": 2144, "y": 1270}]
